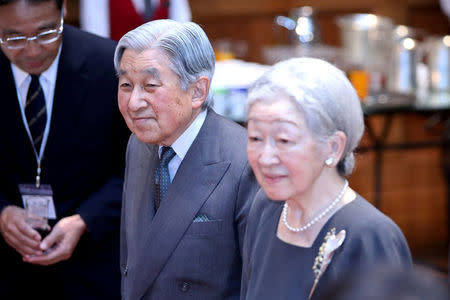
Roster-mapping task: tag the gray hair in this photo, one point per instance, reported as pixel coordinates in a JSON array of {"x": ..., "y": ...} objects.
[
  {"x": 322, "y": 94},
  {"x": 185, "y": 44}
]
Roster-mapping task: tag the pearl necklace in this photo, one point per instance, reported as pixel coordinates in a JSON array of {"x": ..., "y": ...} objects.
[{"x": 320, "y": 216}]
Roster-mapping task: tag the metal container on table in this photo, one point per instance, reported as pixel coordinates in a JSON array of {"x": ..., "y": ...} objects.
[
  {"x": 303, "y": 29},
  {"x": 435, "y": 52},
  {"x": 402, "y": 77},
  {"x": 366, "y": 40}
]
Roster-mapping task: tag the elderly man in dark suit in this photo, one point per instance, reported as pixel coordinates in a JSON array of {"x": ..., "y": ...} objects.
[
  {"x": 188, "y": 184},
  {"x": 59, "y": 122}
]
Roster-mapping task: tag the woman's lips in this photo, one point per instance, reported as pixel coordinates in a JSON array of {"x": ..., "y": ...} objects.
[{"x": 273, "y": 178}]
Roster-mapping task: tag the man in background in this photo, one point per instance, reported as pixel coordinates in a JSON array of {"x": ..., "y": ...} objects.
[
  {"x": 188, "y": 185},
  {"x": 61, "y": 131}
]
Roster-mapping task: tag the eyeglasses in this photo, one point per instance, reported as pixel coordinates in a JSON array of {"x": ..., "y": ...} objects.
[{"x": 42, "y": 38}]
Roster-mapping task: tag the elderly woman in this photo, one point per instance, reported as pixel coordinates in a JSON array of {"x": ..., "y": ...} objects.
[{"x": 307, "y": 227}]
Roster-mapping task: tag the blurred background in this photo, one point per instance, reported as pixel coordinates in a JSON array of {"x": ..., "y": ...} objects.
[{"x": 397, "y": 55}]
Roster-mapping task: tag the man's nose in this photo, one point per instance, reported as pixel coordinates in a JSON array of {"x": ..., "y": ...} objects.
[
  {"x": 32, "y": 48},
  {"x": 137, "y": 100}
]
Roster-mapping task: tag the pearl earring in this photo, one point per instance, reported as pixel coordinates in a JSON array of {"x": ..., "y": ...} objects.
[{"x": 329, "y": 161}]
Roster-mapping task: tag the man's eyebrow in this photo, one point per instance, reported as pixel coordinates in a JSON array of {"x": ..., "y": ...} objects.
[
  {"x": 47, "y": 26},
  {"x": 152, "y": 72},
  {"x": 50, "y": 25},
  {"x": 121, "y": 73},
  {"x": 10, "y": 31}
]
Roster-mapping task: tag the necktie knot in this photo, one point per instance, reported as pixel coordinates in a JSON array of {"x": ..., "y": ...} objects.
[
  {"x": 34, "y": 88},
  {"x": 167, "y": 153},
  {"x": 35, "y": 78}
]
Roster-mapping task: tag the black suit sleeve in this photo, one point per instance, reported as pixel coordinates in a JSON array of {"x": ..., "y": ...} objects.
[{"x": 101, "y": 209}]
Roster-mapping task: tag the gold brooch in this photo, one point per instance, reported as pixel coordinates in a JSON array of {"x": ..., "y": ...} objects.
[{"x": 332, "y": 241}]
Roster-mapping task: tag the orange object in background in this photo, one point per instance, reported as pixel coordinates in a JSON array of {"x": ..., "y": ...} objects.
[
  {"x": 360, "y": 80},
  {"x": 223, "y": 55}
]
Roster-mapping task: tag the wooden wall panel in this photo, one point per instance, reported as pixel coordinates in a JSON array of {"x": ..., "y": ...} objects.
[
  {"x": 429, "y": 18},
  {"x": 413, "y": 185},
  {"x": 72, "y": 16}
]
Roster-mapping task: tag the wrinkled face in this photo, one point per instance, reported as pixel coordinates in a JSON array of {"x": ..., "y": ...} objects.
[
  {"x": 24, "y": 19},
  {"x": 150, "y": 97},
  {"x": 281, "y": 149}
]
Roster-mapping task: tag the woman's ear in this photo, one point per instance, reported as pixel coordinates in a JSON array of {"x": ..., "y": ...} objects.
[
  {"x": 336, "y": 146},
  {"x": 200, "y": 90}
]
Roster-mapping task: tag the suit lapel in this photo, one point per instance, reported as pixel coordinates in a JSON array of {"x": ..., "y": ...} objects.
[
  {"x": 196, "y": 178},
  {"x": 11, "y": 119},
  {"x": 143, "y": 207},
  {"x": 71, "y": 86}
]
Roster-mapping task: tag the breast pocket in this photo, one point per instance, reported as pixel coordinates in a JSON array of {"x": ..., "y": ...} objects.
[{"x": 213, "y": 227}]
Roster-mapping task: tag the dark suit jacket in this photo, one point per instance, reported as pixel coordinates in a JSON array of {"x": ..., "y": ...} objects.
[
  {"x": 168, "y": 255},
  {"x": 83, "y": 162}
]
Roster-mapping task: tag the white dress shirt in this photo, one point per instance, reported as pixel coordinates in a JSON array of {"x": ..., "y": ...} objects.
[{"x": 183, "y": 143}]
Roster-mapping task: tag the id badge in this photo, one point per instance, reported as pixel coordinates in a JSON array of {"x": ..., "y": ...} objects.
[{"x": 44, "y": 191}]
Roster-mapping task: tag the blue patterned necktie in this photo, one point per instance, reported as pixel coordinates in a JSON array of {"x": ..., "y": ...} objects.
[
  {"x": 36, "y": 111},
  {"x": 162, "y": 178}
]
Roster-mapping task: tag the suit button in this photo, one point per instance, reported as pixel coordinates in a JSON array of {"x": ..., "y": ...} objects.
[
  {"x": 125, "y": 272},
  {"x": 185, "y": 286}
]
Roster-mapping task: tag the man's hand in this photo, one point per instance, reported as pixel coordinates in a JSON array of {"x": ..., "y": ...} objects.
[
  {"x": 61, "y": 242},
  {"x": 17, "y": 233}
]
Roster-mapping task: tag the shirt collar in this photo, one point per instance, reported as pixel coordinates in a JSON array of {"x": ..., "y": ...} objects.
[{"x": 184, "y": 142}]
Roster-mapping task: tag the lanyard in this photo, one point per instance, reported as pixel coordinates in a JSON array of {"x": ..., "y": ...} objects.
[{"x": 41, "y": 152}]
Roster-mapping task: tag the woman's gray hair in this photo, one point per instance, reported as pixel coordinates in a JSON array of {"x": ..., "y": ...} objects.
[
  {"x": 185, "y": 44},
  {"x": 322, "y": 94}
]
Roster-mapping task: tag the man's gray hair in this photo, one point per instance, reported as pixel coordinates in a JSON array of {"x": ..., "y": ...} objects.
[
  {"x": 185, "y": 45},
  {"x": 322, "y": 94}
]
